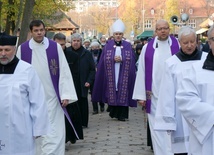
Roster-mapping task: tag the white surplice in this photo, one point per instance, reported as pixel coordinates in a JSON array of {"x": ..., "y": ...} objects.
[
  {"x": 117, "y": 65},
  {"x": 160, "y": 139},
  {"x": 168, "y": 116},
  {"x": 23, "y": 112},
  {"x": 195, "y": 100},
  {"x": 53, "y": 143}
]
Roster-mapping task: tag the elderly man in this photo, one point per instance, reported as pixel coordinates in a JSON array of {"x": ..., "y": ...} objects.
[
  {"x": 86, "y": 75},
  {"x": 115, "y": 76},
  {"x": 23, "y": 112},
  {"x": 195, "y": 100},
  {"x": 168, "y": 116},
  {"x": 147, "y": 84},
  {"x": 50, "y": 63}
]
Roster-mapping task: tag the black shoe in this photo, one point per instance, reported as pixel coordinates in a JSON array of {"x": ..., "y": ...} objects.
[
  {"x": 108, "y": 109},
  {"x": 73, "y": 141},
  {"x": 102, "y": 109},
  {"x": 122, "y": 119},
  {"x": 95, "y": 112},
  {"x": 143, "y": 108}
]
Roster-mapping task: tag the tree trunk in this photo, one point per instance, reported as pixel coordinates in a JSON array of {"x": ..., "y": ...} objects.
[
  {"x": 27, "y": 14},
  {"x": 10, "y": 13},
  {"x": 0, "y": 16},
  {"x": 18, "y": 22}
]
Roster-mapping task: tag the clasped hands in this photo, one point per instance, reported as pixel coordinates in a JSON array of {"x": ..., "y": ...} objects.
[{"x": 117, "y": 59}]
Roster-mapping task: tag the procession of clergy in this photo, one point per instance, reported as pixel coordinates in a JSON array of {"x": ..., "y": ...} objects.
[{"x": 173, "y": 82}]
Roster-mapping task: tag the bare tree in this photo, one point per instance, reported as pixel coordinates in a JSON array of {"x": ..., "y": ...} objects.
[{"x": 100, "y": 20}]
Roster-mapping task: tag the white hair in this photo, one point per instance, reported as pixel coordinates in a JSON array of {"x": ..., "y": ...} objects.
[{"x": 184, "y": 31}]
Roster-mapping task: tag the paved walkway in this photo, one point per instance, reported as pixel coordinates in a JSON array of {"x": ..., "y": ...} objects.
[{"x": 107, "y": 136}]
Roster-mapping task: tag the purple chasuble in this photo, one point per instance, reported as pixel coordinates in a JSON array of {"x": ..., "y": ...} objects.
[
  {"x": 53, "y": 64},
  {"x": 104, "y": 87},
  {"x": 149, "y": 54}
]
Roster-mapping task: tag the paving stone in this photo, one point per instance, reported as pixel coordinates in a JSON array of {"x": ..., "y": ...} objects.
[{"x": 107, "y": 136}]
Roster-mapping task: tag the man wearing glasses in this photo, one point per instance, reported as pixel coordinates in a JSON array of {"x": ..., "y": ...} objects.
[{"x": 147, "y": 84}]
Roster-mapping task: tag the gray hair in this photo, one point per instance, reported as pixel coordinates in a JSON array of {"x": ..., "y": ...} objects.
[
  {"x": 76, "y": 36},
  {"x": 59, "y": 36},
  {"x": 210, "y": 31},
  {"x": 186, "y": 30}
]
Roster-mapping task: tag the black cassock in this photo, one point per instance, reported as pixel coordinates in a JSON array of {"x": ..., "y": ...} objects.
[
  {"x": 73, "y": 108},
  {"x": 74, "y": 113}
]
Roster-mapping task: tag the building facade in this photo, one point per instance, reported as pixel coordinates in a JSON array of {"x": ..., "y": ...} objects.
[
  {"x": 151, "y": 11},
  {"x": 83, "y": 5}
]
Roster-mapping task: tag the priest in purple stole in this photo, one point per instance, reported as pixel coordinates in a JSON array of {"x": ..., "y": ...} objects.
[
  {"x": 147, "y": 83},
  {"x": 49, "y": 61},
  {"x": 115, "y": 75}
]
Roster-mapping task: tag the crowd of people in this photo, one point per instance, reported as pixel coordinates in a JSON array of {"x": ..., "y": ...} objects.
[{"x": 45, "y": 85}]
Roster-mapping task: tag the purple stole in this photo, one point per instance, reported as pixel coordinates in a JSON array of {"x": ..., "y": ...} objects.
[
  {"x": 149, "y": 67},
  {"x": 53, "y": 63}
]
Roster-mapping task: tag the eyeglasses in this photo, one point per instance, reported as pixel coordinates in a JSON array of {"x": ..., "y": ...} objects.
[
  {"x": 162, "y": 28},
  {"x": 212, "y": 38}
]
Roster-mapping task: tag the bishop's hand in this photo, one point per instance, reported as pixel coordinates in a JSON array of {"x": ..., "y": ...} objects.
[{"x": 117, "y": 59}]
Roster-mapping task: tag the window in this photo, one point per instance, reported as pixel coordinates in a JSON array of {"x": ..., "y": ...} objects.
[
  {"x": 152, "y": 11},
  {"x": 192, "y": 23},
  {"x": 190, "y": 11},
  {"x": 148, "y": 24}
]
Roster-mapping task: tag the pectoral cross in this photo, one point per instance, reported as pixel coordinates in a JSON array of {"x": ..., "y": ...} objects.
[
  {"x": 53, "y": 66},
  {"x": 1, "y": 145}
]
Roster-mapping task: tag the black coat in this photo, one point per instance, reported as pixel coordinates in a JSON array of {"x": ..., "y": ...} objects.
[
  {"x": 85, "y": 70},
  {"x": 73, "y": 62},
  {"x": 73, "y": 108},
  {"x": 206, "y": 47}
]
